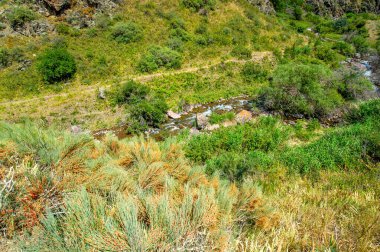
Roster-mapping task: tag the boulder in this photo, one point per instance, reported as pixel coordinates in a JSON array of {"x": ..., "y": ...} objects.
[
  {"x": 194, "y": 131},
  {"x": 201, "y": 121},
  {"x": 243, "y": 116},
  {"x": 75, "y": 129},
  {"x": 102, "y": 93},
  {"x": 229, "y": 123},
  {"x": 211, "y": 127},
  {"x": 173, "y": 115}
]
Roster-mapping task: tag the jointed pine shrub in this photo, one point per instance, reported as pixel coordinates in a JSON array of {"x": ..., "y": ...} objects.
[{"x": 132, "y": 195}]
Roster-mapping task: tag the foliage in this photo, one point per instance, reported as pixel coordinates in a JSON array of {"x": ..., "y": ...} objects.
[
  {"x": 126, "y": 32},
  {"x": 241, "y": 52},
  {"x": 131, "y": 92},
  {"x": 360, "y": 43},
  {"x": 145, "y": 106},
  {"x": 18, "y": 16},
  {"x": 196, "y": 5},
  {"x": 253, "y": 71},
  {"x": 157, "y": 57},
  {"x": 216, "y": 118},
  {"x": 56, "y": 64},
  {"x": 265, "y": 135},
  {"x": 304, "y": 89},
  {"x": 4, "y": 57},
  {"x": 145, "y": 192},
  {"x": 352, "y": 85}
]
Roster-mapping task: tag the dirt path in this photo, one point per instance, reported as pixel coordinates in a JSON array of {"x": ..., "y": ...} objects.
[{"x": 256, "y": 56}]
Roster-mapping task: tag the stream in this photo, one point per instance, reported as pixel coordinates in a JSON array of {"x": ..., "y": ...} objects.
[{"x": 367, "y": 65}]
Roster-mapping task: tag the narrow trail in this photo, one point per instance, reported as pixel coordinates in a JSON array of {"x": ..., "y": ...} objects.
[{"x": 256, "y": 56}]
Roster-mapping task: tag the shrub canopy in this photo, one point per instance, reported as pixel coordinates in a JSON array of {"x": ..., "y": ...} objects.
[{"x": 56, "y": 64}]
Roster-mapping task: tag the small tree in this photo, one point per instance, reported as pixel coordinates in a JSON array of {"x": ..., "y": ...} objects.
[{"x": 56, "y": 64}]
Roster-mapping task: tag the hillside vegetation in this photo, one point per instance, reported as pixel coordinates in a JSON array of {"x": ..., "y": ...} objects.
[{"x": 191, "y": 125}]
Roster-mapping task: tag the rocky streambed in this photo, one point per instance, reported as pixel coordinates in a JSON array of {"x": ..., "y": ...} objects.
[{"x": 196, "y": 117}]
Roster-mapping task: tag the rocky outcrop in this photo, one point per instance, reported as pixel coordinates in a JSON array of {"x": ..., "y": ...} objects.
[
  {"x": 57, "y": 7},
  {"x": 339, "y": 7},
  {"x": 264, "y": 6}
]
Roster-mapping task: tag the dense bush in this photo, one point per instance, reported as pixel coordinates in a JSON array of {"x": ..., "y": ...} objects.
[
  {"x": 368, "y": 110},
  {"x": 131, "y": 92},
  {"x": 253, "y": 71},
  {"x": 146, "y": 108},
  {"x": 8, "y": 56},
  {"x": 241, "y": 52},
  {"x": 301, "y": 89},
  {"x": 4, "y": 57},
  {"x": 344, "y": 48},
  {"x": 126, "y": 32},
  {"x": 352, "y": 85},
  {"x": 56, "y": 64},
  {"x": 18, "y": 16},
  {"x": 196, "y": 5},
  {"x": 151, "y": 112},
  {"x": 157, "y": 57},
  {"x": 360, "y": 43}
]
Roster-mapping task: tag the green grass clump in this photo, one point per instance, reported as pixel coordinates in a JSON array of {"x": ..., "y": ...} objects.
[
  {"x": 265, "y": 135},
  {"x": 56, "y": 64},
  {"x": 216, "y": 118}
]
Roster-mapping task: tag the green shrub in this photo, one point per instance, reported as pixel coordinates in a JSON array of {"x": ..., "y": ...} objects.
[
  {"x": 252, "y": 71},
  {"x": 146, "y": 108},
  {"x": 56, "y": 64},
  {"x": 175, "y": 44},
  {"x": 196, "y": 5},
  {"x": 150, "y": 112},
  {"x": 353, "y": 85},
  {"x": 301, "y": 89},
  {"x": 131, "y": 92},
  {"x": 126, "y": 32},
  {"x": 365, "y": 111},
  {"x": 157, "y": 57},
  {"x": 5, "y": 57},
  {"x": 344, "y": 48},
  {"x": 18, "y": 16},
  {"x": 63, "y": 29},
  {"x": 241, "y": 52},
  {"x": 360, "y": 43},
  {"x": 325, "y": 53},
  {"x": 298, "y": 13}
]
